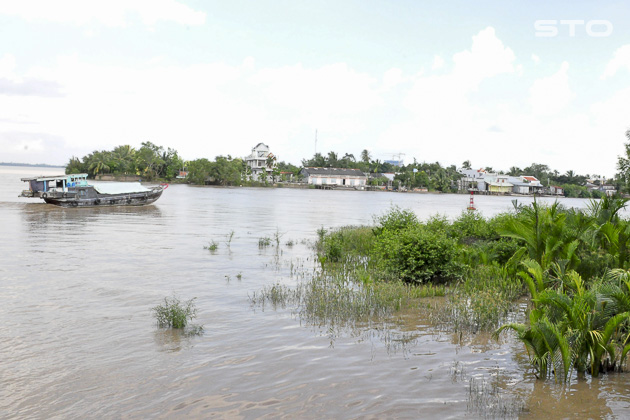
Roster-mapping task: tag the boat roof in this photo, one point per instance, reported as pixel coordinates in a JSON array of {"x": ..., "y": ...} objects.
[
  {"x": 120, "y": 188},
  {"x": 55, "y": 177}
]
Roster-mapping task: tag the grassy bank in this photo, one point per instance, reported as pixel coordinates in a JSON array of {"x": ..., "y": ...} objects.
[{"x": 570, "y": 265}]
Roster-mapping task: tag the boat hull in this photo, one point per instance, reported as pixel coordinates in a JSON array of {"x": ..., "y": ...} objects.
[{"x": 108, "y": 200}]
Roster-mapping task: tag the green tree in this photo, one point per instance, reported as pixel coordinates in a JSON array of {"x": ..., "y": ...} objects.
[
  {"x": 75, "y": 166},
  {"x": 366, "y": 157},
  {"x": 125, "y": 157},
  {"x": 623, "y": 164},
  {"x": 99, "y": 162},
  {"x": 198, "y": 171}
]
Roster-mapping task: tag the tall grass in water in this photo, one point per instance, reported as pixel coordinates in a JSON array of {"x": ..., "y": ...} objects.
[
  {"x": 332, "y": 298},
  {"x": 481, "y": 302},
  {"x": 173, "y": 313}
]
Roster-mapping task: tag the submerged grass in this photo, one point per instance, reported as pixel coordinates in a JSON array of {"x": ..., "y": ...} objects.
[
  {"x": 489, "y": 400},
  {"x": 173, "y": 313},
  {"x": 264, "y": 242},
  {"x": 328, "y": 300},
  {"x": 481, "y": 302},
  {"x": 212, "y": 246}
]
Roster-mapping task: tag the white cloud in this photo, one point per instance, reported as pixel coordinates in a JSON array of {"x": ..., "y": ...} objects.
[
  {"x": 535, "y": 58},
  {"x": 440, "y": 102},
  {"x": 202, "y": 110},
  {"x": 392, "y": 78},
  {"x": 109, "y": 13},
  {"x": 550, "y": 95},
  {"x": 488, "y": 57},
  {"x": 438, "y": 63},
  {"x": 207, "y": 109},
  {"x": 333, "y": 89},
  {"x": 621, "y": 60},
  {"x": 7, "y": 66}
]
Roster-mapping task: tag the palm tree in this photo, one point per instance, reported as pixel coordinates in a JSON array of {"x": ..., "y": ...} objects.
[
  {"x": 99, "y": 163},
  {"x": 542, "y": 230},
  {"x": 545, "y": 345},
  {"x": 125, "y": 157},
  {"x": 333, "y": 159},
  {"x": 365, "y": 156}
]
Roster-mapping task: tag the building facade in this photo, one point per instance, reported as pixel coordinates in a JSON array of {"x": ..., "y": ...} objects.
[
  {"x": 257, "y": 160},
  {"x": 335, "y": 177}
]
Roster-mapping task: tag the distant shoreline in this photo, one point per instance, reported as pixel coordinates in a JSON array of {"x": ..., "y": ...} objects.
[{"x": 41, "y": 165}]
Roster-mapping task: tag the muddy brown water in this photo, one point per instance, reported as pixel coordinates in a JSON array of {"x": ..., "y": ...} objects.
[{"x": 78, "y": 340}]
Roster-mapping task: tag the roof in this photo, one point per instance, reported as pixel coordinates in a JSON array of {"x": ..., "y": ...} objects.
[
  {"x": 501, "y": 184},
  {"x": 333, "y": 171},
  {"x": 120, "y": 188},
  {"x": 530, "y": 178},
  {"x": 54, "y": 177}
]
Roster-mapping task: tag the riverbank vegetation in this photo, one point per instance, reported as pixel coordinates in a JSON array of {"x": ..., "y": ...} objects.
[
  {"x": 152, "y": 162},
  {"x": 571, "y": 266},
  {"x": 149, "y": 161}
]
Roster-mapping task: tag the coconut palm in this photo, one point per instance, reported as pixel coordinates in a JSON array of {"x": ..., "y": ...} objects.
[
  {"x": 543, "y": 233},
  {"x": 366, "y": 156},
  {"x": 545, "y": 344},
  {"x": 99, "y": 163},
  {"x": 125, "y": 157}
]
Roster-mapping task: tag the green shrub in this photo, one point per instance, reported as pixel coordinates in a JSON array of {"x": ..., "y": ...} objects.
[
  {"x": 344, "y": 242},
  {"x": 471, "y": 226},
  {"x": 419, "y": 254},
  {"x": 394, "y": 220},
  {"x": 174, "y": 313}
]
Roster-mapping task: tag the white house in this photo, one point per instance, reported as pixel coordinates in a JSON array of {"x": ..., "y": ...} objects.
[
  {"x": 257, "y": 160},
  {"x": 335, "y": 177}
]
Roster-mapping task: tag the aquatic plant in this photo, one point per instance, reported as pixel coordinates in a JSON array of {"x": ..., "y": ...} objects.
[
  {"x": 489, "y": 400},
  {"x": 543, "y": 232},
  {"x": 230, "y": 236},
  {"x": 277, "y": 236},
  {"x": 173, "y": 313},
  {"x": 577, "y": 328},
  {"x": 264, "y": 242},
  {"x": 212, "y": 246}
]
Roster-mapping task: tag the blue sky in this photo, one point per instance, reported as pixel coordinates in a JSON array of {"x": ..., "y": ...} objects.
[{"x": 437, "y": 81}]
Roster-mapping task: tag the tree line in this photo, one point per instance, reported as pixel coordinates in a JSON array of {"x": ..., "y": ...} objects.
[
  {"x": 149, "y": 161},
  {"x": 155, "y": 162}
]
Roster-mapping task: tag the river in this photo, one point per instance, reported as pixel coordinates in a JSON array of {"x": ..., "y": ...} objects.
[{"x": 78, "y": 338}]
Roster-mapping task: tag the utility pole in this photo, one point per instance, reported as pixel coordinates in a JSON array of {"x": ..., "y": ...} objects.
[{"x": 315, "y": 141}]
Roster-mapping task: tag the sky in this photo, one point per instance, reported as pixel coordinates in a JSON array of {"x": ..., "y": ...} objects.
[{"x": 499, "y": 83}]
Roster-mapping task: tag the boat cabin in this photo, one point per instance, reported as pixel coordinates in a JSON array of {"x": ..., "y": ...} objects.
[{"x": 59, "y": 183}]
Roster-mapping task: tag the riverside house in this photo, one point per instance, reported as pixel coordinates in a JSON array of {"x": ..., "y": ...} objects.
[
  {"x": 493, "y": 183},
  {"x": 334, "y": 177},
  {"x": 257, "y": 160}
]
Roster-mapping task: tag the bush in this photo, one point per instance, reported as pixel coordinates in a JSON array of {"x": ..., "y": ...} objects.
[
  {"x": 345, "y": 242},
  {"x": 471, "y": 226},
  {"x": 394, "y": 220},
  {"x": 174, "y": 313},
  {"x": 419, "y": 254}
]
